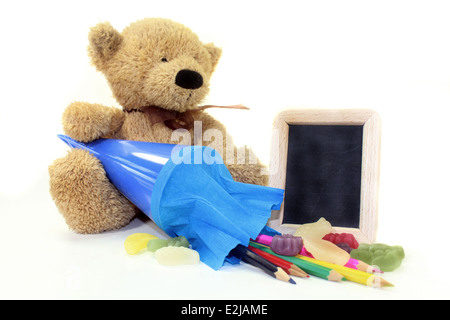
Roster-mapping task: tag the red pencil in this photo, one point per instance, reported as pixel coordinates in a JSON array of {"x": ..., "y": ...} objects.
[{"x": 287, "y": 266}]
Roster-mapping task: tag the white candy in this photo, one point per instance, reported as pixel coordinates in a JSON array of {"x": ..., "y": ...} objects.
[{"x": 172, "y": 256}]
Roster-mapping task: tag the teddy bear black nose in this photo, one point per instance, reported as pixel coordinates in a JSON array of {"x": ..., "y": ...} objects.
[{"x": 189, "y": 79}]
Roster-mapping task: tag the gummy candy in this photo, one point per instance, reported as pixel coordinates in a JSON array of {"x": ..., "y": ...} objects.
[
  {"x": 167, "y": 251},
  {"x": 312, "y": 234},
  {"x": 286, "y": 245},
  {"x": 347, "y": 238},
  {"x": 178, "y": 242},
  {"x": 135, "y": 242},
  {"x": 171, "y": 256},
  {"x": 314, "y": 230},
  {"x": 156, "y": 244},
  {"x": 345, "y": 246},
  {"x": 387, "y": 258},
  {"x": 326, "y": 251}
]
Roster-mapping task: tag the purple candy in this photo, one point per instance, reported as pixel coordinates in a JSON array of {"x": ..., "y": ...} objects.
[
  {"x": 344, "y": 246},
  {"x": 286, "y": 245}
]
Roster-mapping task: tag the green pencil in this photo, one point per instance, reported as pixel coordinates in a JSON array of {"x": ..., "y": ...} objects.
[{"x": 308, "y": 267}]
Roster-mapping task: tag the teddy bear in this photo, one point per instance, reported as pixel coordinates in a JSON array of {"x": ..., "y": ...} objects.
[{"x": 159, "y": 72}]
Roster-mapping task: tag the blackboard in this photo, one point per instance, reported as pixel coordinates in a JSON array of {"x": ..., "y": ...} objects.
[
  {"x": 323, "y": 174},
  {"x": 328, "y": 163}
]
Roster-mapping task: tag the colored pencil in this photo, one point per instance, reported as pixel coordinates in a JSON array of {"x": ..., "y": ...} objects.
[
  {"x": 261, "y": 263},
  {"x": 283, "y": 276},
  {"x": 287, "y": 266},
  {"x": 360, "y": 265},
  {"x": 352, "y": 263},
  {"x": 353, "y": 275},
  {"x": 264, "y": 239},
  {"x": 308, "y": 267}
]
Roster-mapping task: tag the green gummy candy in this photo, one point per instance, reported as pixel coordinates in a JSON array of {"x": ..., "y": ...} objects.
[
  {"x": 155, "y": 244},
  {"x": 178, "y": 242},
  {"x": 385, "y": 257}
]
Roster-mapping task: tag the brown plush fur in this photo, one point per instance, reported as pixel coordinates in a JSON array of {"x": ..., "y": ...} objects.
[{"x": 140, "y": 65}]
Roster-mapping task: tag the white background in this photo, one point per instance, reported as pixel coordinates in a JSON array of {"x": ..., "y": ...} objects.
[{"x": 390, "y": 56}]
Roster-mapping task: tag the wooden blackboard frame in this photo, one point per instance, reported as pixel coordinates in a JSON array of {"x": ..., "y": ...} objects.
[{"x": 370, "y": 121}]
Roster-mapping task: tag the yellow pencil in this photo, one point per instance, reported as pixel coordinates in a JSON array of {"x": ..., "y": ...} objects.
[{"x": 353, "y": 275}]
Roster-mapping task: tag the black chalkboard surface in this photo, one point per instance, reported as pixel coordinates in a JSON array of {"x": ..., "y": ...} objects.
[
  {"x": 323, "y": 174},
  {"x": 327, "y": 161}
]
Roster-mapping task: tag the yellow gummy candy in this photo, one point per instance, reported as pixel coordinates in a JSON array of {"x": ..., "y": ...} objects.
[
  {"x": 314, "y": 230},
  {"x": 135, "y": 242},
  {"x": 312, "y": 234},
  {"x": 326, "y": 251}
]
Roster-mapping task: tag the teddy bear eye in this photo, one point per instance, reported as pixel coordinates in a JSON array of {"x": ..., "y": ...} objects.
[{"x": 164, "y": 59}]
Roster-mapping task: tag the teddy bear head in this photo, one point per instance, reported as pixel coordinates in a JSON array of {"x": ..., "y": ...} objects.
[{"x": 154, "y": 62}]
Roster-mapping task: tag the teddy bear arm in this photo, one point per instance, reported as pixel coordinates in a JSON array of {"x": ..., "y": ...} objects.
[{"x": 87, "y": 122}]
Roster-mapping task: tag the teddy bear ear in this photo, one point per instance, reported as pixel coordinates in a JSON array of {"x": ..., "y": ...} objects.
[
  {"x": 104, "y": 41},
  {"x": 215, "y": 54}
]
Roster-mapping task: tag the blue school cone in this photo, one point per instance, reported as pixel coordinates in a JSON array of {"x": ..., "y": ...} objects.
[{"x": 187, "y": 191}]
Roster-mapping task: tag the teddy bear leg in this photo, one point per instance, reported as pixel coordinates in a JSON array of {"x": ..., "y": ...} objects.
[{"x": 84, "y": 195}]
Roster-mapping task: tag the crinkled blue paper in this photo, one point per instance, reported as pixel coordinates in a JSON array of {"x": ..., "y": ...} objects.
[{"x": 202, "y": 202}]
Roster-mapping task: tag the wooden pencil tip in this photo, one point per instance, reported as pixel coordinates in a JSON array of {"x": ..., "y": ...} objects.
[
  {"x": 298, "y": 270},
  {"x": 282, "y": 275},
  {"x": 296, "y": 273},
  {"x": 335, "y": 276},
  {"x": 384, "y": 283},
  {"x": 378, "y": 282},
  {"x": 292, "y": 281}
]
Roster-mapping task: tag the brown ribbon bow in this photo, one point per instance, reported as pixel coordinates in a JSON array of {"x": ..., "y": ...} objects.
[{"x": 178, "y": 120}]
